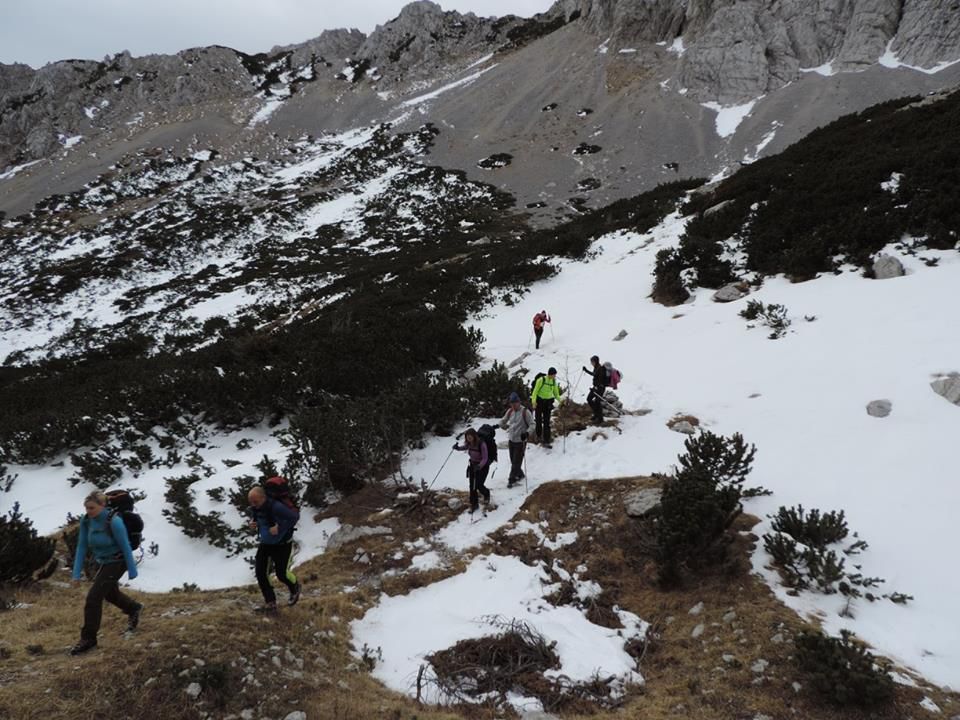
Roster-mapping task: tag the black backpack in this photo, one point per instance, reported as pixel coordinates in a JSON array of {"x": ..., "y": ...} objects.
[
  {"x": 488, "y": 434},
  {"x": 120, "y": 502},
  {"x": 536, "y": 377}
]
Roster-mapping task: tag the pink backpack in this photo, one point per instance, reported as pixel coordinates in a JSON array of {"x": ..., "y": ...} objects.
[{"x": 614, "y": 376}]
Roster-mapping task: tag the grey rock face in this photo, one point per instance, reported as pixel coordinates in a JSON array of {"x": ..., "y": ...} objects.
[
  {"x": 640, "y": 503},
  {"x": 729, "y": 293},
  {"x": 929, "y": 33},
  {"x": 349, "y": 533},
  {"x": 879, "y": 408},
  {"x": 886, "y": 267},
  {"x": 948, "y": 387}
]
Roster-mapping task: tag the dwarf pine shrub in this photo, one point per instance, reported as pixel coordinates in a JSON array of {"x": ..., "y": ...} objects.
[
  {"x": 842, "y": 671},
  {"x": 23, "y": 552}
]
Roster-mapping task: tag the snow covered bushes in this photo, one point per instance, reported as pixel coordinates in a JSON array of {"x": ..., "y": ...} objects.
[
  {"x": 774, "y": 316},
  {"x": 22, "y": 551},
  {"x": 799, "y": 543},
  {"x": 668, "y": 286},
  {"x": 699, "y": 503},
  {"x": 842, "y": 671}
]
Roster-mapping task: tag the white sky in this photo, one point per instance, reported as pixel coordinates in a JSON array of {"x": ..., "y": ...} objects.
[{"x": 40, "y": 31}]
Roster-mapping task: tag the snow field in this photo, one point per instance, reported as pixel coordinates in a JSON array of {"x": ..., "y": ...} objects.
[
  {"x": 409, "y": 627},
  {"x": 801, "y": 400}
]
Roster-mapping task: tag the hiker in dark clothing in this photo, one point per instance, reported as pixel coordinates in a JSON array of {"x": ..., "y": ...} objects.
[
  {"x": 600, "y": 382},
  {"x": 274, "y": 522},
  {"x": 517, "y": 422},
  {"x": 477, "y": 467},
  {"x": 105, "y": 535},
  {"x": 538, "y": 320},
  {"x": 545, "y": 392}
]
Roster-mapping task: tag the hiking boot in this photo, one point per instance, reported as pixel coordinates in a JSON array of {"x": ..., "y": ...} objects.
[
  {"x": 267, "y": 609},
  {"x": 133, "y": 619},
  {"x": 83, "y": 646},
  {"x": 294, "y": 595}
]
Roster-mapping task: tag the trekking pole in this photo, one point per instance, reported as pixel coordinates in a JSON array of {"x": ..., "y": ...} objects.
[
  {"x": 530, "y": 338},
  {"x": 526, "y": 480},
  {"x": 449, "y": 455},
  {"x": 610, "y": 405},
  {"x": 579, "y": 378},
  {"x": 552, "y": 336}
]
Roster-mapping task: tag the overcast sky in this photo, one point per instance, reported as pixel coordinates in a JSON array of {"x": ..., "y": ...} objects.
[{"x": 40, "y": 31}]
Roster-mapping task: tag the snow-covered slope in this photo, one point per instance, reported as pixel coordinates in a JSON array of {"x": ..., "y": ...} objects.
[{"x": 801, "y": 399}]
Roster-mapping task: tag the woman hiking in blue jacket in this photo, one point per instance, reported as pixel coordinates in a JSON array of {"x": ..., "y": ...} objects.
[{"x": 104, "y": 534}]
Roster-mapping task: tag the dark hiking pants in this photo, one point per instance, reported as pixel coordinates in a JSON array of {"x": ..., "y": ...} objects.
[
  {"x": 516, "y": 461},
  {"x": 542, "y": 416},
  {"x": 538, "y": 332},
  {"x": 478, "y": 487},
  {"x": 595, "y": 401},
  {"x": 281, "y": 554},
  {"x": 105, "y": 587}
]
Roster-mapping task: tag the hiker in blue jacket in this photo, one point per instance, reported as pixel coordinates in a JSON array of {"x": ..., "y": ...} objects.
[
  {"x": 105, "y": 535},
  {"x": 274, "y": 522}
]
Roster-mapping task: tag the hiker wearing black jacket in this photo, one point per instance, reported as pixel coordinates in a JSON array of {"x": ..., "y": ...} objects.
[
  {"x": 600, "y": 382},
  {"x": 274, "y": 522}
]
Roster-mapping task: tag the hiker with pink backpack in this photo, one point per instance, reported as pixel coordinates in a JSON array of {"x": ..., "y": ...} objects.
[{"x": 604, "y": 376}]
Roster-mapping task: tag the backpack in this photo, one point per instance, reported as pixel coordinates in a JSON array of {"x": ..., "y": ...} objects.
[
  {"x": 120, "y": 502},
  {"x": 614, "y": 376},
  {"x": 536, "y": 377},
  {"x": 488, "y": 434},
  {"x": 277, "y": 488}
]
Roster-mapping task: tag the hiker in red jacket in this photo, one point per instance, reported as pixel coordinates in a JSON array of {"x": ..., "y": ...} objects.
[{"x": 538, "y": 320}]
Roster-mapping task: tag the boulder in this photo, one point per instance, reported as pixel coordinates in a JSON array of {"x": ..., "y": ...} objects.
[
  {"x": 642, "y": 502},
  {"x": 519, "y": 360},
  {"x": 948, "y": 387},
  {"x": 620, "y": 336},
  {"x": 349, "y": 533},
  {"x": 683, "y": 427},
  {"x": 731, "y": 292},
  {"x": 716, "y": 208},
  {"x": 886, "y": 267},
  {"x": 879, "y": 408}
]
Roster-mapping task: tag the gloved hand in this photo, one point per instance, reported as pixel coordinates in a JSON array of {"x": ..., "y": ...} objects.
[
  {"x": 456, "y": 445},
  {"x": 585, "y": 369},
  {"x": 523, "y": 437}
]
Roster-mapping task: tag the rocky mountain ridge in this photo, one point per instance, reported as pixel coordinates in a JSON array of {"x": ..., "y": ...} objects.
[{"x": 612, "y": 66}]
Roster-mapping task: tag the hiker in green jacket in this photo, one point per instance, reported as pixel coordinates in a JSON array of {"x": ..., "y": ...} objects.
[{"x": 545, "y": 391}]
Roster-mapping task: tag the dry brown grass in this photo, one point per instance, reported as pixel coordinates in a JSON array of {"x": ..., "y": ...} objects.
[{"x": 145, "y": 676}]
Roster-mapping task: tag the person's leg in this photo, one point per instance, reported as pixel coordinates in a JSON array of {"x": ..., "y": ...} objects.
[
  {"x": 474, "y": 498},
  {"x": 516, "y": 457},
  {"x": 481, "y": 484},
  {"x": 282, "y": 556},
  {"x": 547, "y": 409},
  {"x": 114, "y": 596},
  {"x": 105, "y": 579},
  {"x": 260, "y": 567},
  {"x": 539, "y": 333},
  {"x": 538, "y": 419}
]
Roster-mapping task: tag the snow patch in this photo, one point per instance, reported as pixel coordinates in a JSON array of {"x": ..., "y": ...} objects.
[
  {"x": 729, "y": 118},
  {"x": 889, "y": 59},
  {"x": 419, "y": 100}
]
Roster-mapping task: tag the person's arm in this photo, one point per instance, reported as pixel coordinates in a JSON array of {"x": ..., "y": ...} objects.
[
  {"x": 484, "y": 456},
  {"x": 536, "y": 389},
  {"x": 120, "y": 537},
  {"x": 588, "y": 372},
  {"x": 81, "y": 549},
  {"x": 505, "y": 420},
  {"x": 284, "y": 517}
]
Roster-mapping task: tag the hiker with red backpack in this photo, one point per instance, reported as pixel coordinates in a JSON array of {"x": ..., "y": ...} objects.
[
  {"x": 517, "y": 421},
  {"x": 479, "y": 454},
  {"x": 274, "y": 515},
  {"x": 104, "y": 533},
  {"x": 538, "y": 320}
]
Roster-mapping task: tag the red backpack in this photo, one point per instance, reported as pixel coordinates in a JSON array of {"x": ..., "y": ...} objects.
[{"x": 277, "y": 488}]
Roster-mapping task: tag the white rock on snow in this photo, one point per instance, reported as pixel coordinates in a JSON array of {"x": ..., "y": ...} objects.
[
  {"x": 948, "y": 387},
  {"x": 886, "y": 267}
]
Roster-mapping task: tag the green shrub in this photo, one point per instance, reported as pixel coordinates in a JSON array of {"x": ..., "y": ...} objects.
[
  {"x": 668, "y": 285},
  {"x": 23, "y": 553},
  {"x": 699, "y": 503},
  {"x": 842, "y": 671}
]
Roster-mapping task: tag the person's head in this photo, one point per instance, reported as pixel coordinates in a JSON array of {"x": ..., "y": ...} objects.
[
  {"x": 543, "y": 312},
  {"x": 257, "y": 496},
  {"x": 94, "y": 503},
  {"x": 514, "y": 400},
  {"x": 471, "y": 437},
  {"x": 595, "y": 360},
  {"x": 552, "y": 373}
]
